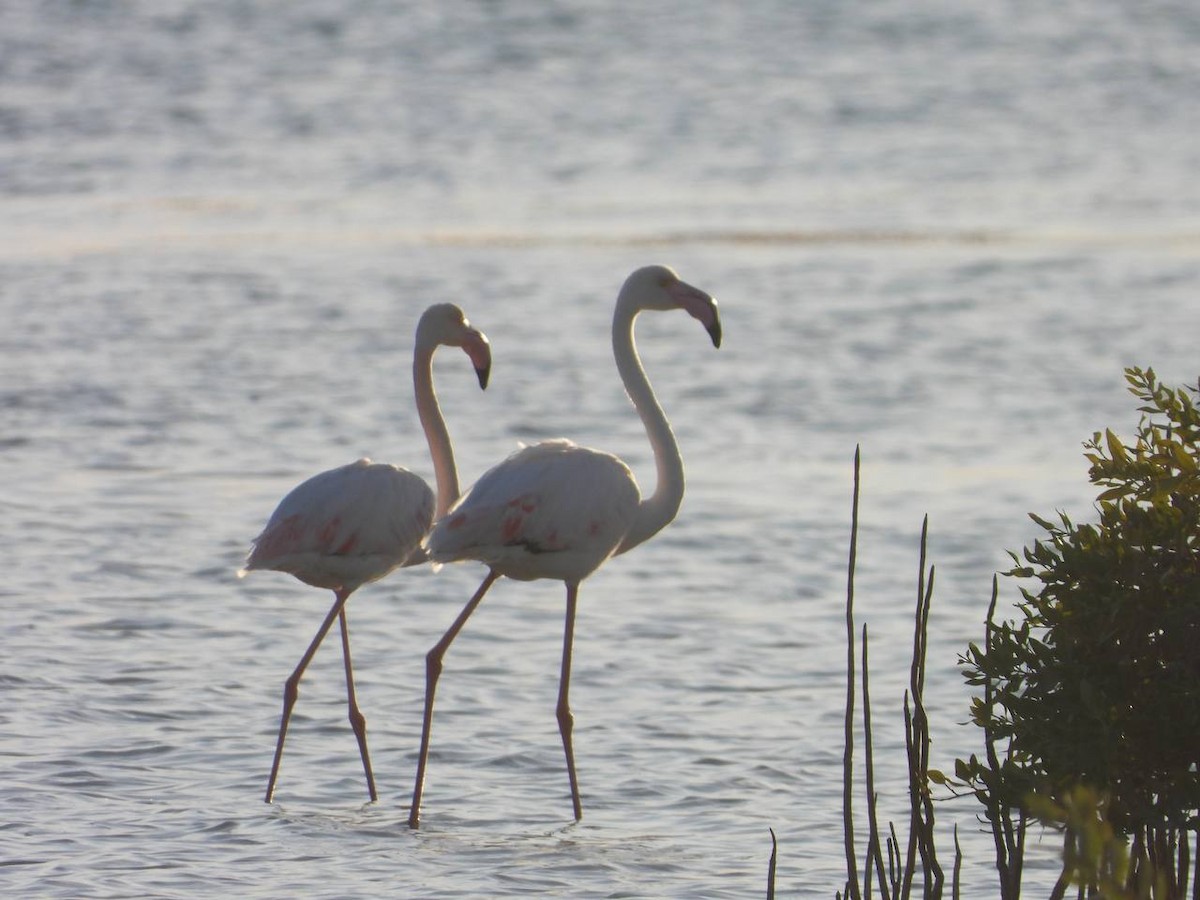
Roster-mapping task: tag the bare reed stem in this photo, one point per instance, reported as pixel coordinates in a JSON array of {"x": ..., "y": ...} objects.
[{"x": 854, "y": 891}]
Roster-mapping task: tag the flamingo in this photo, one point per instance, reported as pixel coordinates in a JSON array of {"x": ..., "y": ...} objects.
[
  {"x": 354, "y": 524},
  {"x": 557, "y": 510}
]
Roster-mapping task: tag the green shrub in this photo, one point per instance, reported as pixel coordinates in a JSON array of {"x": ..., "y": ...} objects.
[{"x": 1098, "y": 683}]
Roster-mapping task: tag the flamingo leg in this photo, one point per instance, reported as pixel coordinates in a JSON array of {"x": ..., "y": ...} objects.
[
  {"x": 291, "y": 687},
  {"x": 357, "y": 720},
  {"x": 433, "y": 669},
  {"x": 566, "y": 721}
]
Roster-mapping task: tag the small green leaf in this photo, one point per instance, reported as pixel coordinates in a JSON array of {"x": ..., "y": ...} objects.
[
  {"x": 1042, "y": 522},
  {"x": 1182, "y": 458},
  {"x": 1115, "y": 448}
]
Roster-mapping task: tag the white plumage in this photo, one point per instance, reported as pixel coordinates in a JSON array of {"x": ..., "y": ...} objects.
[
  {"x": 557, "y": 510},
  {"x": 346, "y": 527},
  {"x": 354, "y": 524},
  {"x": 551, "y": 510}
]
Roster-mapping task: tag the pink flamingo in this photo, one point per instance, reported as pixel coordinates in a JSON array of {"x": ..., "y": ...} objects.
[
  {"x": 557, "y": 510},
  {"x": 352, "y": 525}
]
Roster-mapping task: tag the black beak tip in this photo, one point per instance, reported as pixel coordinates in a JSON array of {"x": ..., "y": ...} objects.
[
  {"x": 714, "y": 332},
  {"x": 482, "y": 375}
]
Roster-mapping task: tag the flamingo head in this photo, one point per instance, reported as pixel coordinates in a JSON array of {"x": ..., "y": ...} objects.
[
  {"x": 658, "y": 287},
  {"x": 445, "y": 323}
]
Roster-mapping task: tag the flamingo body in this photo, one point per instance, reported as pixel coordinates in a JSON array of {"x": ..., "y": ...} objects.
[
  {"x": 557, "y": 510},
  {"x": 551, "y": 510},
  {"x": 352, "y": 525},
  {"x": 347, "y": 526}
]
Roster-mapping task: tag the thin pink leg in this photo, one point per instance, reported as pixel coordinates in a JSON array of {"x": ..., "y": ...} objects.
[
  {"x": 357, "y": 720},
  {"x": 291, "y": 688},
  {"x": 566, "y": 721},
  {"x": 433, "y": 669}
]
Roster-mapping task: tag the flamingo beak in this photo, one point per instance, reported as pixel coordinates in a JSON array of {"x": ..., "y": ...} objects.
[
  {"x": 699, "y": 306},
  {"x": 479, "y": 349},
  {"x": 714, "y": 327}
]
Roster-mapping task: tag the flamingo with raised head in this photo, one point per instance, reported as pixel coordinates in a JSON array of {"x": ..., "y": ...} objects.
[
  {"x": 352, "y": 525},
  {"x": 557, "y": 510}
]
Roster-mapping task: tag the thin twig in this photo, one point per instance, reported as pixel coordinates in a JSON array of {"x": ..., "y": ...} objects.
[
  {"x": 957, "y": 866},
  {"x": 910, "y": 858},
  {"x": 771, "y": 866},
  {"x": 911, "y": 735},
  {"x": 920, "y": 775},
  {"x": 852, "y": 883},
  {"x": 874, "y": 851},
  {"x": 1009, "y": 839},
  {"x": 894, "y": 858}
]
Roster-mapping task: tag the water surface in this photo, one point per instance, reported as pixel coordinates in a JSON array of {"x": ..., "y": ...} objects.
[{"x": 938, "y": 236}]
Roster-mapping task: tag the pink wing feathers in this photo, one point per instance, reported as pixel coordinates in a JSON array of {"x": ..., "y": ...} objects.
[
  {"x": 551, "y": 510},
  {"x": 346, "y": 526}
]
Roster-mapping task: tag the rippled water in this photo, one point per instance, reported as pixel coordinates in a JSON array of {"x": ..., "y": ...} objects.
[{"x": 937, "y": 235}]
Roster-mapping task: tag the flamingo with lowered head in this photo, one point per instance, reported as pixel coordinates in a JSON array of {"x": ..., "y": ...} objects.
[
  {"x": 352, "y": 525},
  {"x": 557, "y": 510}
]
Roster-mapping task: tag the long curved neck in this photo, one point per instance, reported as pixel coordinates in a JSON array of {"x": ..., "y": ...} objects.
[
  {"x": 657, "y": 510},
  {"x": 435, "y": 430}
]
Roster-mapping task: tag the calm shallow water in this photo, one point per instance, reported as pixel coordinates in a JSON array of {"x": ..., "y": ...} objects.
[{"x": 939, "y": 237}]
